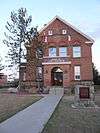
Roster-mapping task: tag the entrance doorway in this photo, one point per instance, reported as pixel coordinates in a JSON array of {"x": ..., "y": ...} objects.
[{"x": 57, "y": 76}]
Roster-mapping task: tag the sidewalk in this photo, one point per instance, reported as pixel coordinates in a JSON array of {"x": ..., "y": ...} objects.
[{"x": 33, "y": 118}]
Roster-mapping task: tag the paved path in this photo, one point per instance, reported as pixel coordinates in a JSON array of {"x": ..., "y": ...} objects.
[{"x": 33, "y": 118}]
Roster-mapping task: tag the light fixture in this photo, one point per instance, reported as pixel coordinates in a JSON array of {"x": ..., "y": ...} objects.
[{"x": 59, "y": 70}]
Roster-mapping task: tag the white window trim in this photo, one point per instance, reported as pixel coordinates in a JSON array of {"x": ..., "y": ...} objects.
[
  {"x": 69, "y": 38},
  {"x": 60, "y": 52},
  {"x": 50, "y": 32},
  {"x": 74, "y": 56},
  {"x": 55, "y": 53},
  {"x": 75, "y": 72},
  {"x": 64, "y": 32},
  {"x": 45, "y": 39},
  {"x": 24, "y": 76},
  {"x": 39, "y": 70}
]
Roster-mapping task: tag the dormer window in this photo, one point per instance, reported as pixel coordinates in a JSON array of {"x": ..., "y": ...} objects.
[
  {"x": 64, "y": 32},
  {"x": 50, "y": 32}
]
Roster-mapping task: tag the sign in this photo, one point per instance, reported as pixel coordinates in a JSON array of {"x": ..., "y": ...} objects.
[{"x": 84, "y": 93}]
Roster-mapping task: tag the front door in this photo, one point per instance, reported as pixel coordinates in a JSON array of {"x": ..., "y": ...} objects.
[{"x": 57, "y": 77}]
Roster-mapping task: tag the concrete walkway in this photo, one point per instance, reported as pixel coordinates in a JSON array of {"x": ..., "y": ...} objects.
[{"x": 33, "y": 118}]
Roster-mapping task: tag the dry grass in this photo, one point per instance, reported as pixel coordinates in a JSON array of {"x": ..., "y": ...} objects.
[
  {"x": 12, "y": 103},
  {"x": 69, "y": 120}
]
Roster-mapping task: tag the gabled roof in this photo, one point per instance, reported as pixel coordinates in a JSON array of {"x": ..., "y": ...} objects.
[{"x": 74, "y": 28}]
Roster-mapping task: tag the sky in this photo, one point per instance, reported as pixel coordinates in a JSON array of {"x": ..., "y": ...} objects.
[{"x": 83, "y": 14}]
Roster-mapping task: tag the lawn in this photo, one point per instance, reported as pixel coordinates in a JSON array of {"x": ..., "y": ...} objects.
[
  {"x": 10, "y": 104},
  {"x": 66, "y": 119}
]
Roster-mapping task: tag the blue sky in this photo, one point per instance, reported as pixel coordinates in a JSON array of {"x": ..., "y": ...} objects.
[{"x": 83, "y": 14}]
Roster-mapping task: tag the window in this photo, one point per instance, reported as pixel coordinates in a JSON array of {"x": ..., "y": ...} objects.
[
  {"x": 77, "y": 73},
  {"x": 64, "y": 31},
  {"x": 24, "y": 76},
  {"x": 69, "y": 38},
  {"x": 52, "y": 52},
  {"x": 0, "y": 77},
  {"x": 39, "y": 52},
  {"x": 63, "y": 51},
  {"x": 50, "y": 32},
  {"x": 39, "y": 72},
  {"x": 77, "y": 51},
  {"x": 45, "y": 39}
]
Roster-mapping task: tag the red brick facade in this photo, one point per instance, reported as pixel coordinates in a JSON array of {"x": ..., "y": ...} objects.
[
  {"x": 71, "y": 38},
  {"x": 3, "y": 79}
]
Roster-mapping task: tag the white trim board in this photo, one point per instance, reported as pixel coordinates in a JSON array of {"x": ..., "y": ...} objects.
[{"x": 47, "y": 63}]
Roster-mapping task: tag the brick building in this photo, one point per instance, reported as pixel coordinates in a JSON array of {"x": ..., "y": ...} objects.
[
  {"x": 3, "y": 79},
  {"x": 67, "y": 58}
]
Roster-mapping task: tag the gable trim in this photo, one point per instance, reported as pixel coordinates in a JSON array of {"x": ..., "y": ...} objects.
[{"x": 77, "y": 30}]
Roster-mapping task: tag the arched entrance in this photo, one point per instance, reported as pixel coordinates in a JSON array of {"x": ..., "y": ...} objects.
[{"x": 57, "y": 76}]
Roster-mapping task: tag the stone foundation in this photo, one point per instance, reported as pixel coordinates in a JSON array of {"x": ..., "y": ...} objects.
[{"x": 84, "y": 96}]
